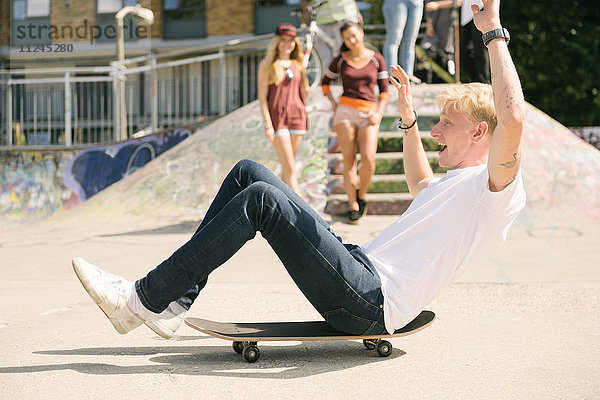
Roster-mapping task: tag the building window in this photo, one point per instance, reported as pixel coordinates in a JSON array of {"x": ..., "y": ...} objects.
[
  {"x": 105, "y": 20},
  {"x": 24, "y": 9},
  {"x": 38, "y": 8},
  {"x": 184, "y": 19},
  {"x": 270, "y": 13},
  {"x": 112, "y": 6},
  {"x": 30, "y": 22},
  {"x": 171, "y": 5},
  {"x": 19, "y": 10},
  {"x": 185, "y": 9}
]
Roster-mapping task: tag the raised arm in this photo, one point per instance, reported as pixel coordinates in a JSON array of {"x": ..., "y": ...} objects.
[
  {"x": 416, "y": 166},
  {"x": 505, "y": 151}
]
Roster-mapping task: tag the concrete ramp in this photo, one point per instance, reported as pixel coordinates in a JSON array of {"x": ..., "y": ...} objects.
[
  {"x": 561, "y": 171},
  {"x": 37, "y": 182},
  {"x": 180, "y": 183}
]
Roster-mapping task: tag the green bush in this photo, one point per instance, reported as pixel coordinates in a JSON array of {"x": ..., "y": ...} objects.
[{"x": 556, "y": 48}]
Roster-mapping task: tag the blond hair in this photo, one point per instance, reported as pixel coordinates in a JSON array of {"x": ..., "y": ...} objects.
[
  {"x": 474, "y": 100},
  {"x": 274, "y": 69}
]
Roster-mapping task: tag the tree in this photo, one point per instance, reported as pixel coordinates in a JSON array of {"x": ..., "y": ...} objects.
[{"x": 556, "y": 48}]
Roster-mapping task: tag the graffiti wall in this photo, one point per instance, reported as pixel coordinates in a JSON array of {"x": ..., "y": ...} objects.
[
  {"x": 36, "y": 184},
  {"x": 182, "y": 182},
  {"x": 32, "y": 184},
  {"x": 94, "y": 169},
  {"x": 560, "y": 170}
]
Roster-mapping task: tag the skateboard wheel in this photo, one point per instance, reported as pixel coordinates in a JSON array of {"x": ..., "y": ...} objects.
[
  {"x": 251, "y": 354},
  {"x": 369, "y": 344},
  {"x": 238, "y": 347},
  {"x": 384, "y": 348}
]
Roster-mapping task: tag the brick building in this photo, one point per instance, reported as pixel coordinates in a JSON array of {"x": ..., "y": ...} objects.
[
  {"x": 32, "y": 31},
  {"x": 59, "y": 85}
]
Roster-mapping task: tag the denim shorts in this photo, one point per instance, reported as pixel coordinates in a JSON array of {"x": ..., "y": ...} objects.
[
  {"x": 349, "y": 115},
  {"x": 288, "y": 132}
]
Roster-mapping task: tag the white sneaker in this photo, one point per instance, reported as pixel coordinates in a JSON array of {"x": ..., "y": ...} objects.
[
  {"x": 110, "y": 293},
  {"x": 167, "y": 322}
]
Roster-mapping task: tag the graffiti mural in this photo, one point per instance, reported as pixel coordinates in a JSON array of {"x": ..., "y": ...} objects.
[
  {"x": 37, "y": 184},
  {"x": 32, "y": 184},
  {"x": 92, "y": 170},
  {"x": 184, "y": 180},
  {"x": 559, "y": 169}
]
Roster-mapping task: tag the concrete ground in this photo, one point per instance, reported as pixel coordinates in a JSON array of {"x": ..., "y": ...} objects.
[{"x": 523, "y": 325}]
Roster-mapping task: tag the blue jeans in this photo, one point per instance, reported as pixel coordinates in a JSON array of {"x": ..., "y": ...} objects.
[
  {"x": 402, "y": 22},
  {"x": 338, "y": 279}
]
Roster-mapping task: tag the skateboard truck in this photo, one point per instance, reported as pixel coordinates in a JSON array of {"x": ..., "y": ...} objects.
[
  {"x": 251, "y": 353},
  {"x": 246, "y": 335},
  {"x": 384, "y": 348},
  {"x": 248, "y": 350}
]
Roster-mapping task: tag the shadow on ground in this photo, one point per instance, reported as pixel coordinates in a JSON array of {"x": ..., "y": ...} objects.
[
  {"x": 276, "y": 361},
  {"x": 175, "y": 229}
]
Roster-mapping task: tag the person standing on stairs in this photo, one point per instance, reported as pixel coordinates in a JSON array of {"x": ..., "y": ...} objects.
[
  {"x": 282, "y": 89},
  {"x": 382, "y": 285},
  {"x": 357, "y": 112},
  {"x": 402, "y": 22}
]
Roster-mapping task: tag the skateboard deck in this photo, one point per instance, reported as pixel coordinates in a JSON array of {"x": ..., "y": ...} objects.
[{"x": 245, "y": 335}]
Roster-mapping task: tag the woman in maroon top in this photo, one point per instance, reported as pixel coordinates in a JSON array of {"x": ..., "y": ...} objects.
[
  {"x": 357, "y": 112},
  {"x": 282, "y": 88}
]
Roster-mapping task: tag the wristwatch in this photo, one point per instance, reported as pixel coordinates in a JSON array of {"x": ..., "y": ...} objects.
[{"x": 494, "y": 34}]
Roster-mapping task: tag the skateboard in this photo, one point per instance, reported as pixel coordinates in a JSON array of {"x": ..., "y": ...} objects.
[{"x": 245, "y": 336}]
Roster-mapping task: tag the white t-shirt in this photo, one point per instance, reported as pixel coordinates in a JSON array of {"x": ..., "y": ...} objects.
[{"x": 452, "y": 223}]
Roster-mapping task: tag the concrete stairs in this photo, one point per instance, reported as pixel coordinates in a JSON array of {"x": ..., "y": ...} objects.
[{"x": 388, "y": 193}]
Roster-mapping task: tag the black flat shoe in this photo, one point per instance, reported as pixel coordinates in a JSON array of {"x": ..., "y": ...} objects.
[
  {"x": 362, "y": 205},
  {"x": 353, "y": 216}
]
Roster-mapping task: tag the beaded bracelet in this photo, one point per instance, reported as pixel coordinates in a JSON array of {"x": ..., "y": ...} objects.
[{"x": 411, "y": 125}]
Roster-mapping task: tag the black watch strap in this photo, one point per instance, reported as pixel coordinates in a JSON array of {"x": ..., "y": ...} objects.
[{"x": 494, "y": 34}]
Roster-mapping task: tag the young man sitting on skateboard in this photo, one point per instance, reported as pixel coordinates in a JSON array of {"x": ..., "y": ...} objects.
[{"x": 382, "y": 285}]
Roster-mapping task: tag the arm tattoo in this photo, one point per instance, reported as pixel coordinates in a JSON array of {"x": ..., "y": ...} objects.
[
  {"x": 512, "y": 96},
  {"x": 510, "y": 164}
]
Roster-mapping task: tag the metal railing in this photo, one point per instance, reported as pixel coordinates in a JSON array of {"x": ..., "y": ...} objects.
[{"x": 79, "y": 106}]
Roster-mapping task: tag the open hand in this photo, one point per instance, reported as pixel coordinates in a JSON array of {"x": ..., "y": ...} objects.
[
  {"x": 375, "y": 118},
  {"x": 487, "y": 18},
  {"x": 402, "y": 85}
]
